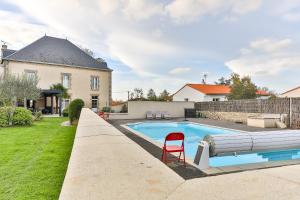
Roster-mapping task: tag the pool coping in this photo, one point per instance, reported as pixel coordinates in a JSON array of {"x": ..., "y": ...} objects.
[{"x": 212, "y": 171}]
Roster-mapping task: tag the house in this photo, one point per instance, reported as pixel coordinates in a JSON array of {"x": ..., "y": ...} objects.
[
  {"x": 206, "y": 92},
  {"x": 56, "y": 60},
  {"x": 295, "y": 92}
]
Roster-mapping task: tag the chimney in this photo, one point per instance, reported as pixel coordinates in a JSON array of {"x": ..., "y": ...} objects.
[{"x": 4, "y": 46}]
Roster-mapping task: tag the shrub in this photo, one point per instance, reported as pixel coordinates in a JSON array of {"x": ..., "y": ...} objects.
[
  {"x": 106, "y": 109},
  {"x": 124, "y": 109},
  {"x": 3, "y": 117},
  {"x": 38, "y": 116},
  {"x": 65, "y": 112},
  {"x": 22, "y": 117},
  {"x": 75, "y": 109}
]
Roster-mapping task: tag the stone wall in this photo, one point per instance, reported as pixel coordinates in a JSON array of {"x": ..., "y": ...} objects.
[{"x": 237, "y": 117}]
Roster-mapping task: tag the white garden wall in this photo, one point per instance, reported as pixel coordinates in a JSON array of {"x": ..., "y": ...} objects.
[{"x": 138, "y": 109}]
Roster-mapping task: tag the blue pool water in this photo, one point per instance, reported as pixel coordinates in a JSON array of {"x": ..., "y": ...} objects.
[{"x": 194, "y": 133}]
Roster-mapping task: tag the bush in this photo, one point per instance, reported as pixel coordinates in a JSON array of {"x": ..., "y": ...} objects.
[
  {"x": 3, "y": 117},
  {"x": 38, "y": 116},
  {"x": 65, "y": 112},
  {"x": 124, "y": 109},
  {"x": 106, "y": 109},
  {"x": 22, "y": 117},
  {"x": 75, "y": 109}
]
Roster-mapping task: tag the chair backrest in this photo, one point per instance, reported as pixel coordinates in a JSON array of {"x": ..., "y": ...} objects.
[{"x": 174, "y": 136}]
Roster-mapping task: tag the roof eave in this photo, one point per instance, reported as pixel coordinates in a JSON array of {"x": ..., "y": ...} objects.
[{"x": 64, "y": 65}]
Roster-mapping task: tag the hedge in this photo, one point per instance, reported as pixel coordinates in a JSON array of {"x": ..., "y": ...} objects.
[{"x": 75, "y": 109}]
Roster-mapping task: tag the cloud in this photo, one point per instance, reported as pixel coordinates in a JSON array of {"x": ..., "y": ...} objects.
[
  {"x": 287, "y": 11},
  {"x": 265, "y": 57},
  {"x": 17, "y": 30},
  {"x": 191, "y": 10},
  {"x": 142, "y": 9},
  {"x": 180, "y": 70}
]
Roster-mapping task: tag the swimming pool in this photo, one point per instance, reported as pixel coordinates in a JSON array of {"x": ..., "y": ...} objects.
[{"x": 194, "y": 133}]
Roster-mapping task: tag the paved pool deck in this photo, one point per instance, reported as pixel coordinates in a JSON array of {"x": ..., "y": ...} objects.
[{"x": 106, "y": 164}]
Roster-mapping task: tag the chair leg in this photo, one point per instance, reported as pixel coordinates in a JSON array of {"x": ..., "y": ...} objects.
[
  {"x": 184, "y": 159},
  {"x": 179, "y": 156}
]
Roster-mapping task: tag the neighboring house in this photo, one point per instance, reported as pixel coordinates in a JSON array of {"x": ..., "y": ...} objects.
[
  {"x": 295, "y": 92},
  {"x": 56, "y": 60},
  {"x": 205, "y": 92}
]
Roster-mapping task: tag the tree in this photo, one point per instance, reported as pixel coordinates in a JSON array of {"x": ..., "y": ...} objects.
[
  {"x": 27, "y": 88},
  {"x": 242, "y": 88},
  {"x": 137, "y": 94},
  {"x": 64, "y": 91},
  {"x": 14, "y": 88},
  {"x": 151, "y": 96},
  {"x": 165, "y": 96},
  {"x": 87, "y": 51},
  {"x": 223, "y": 81}
]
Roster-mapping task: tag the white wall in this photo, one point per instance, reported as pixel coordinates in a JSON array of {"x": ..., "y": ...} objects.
[
  {"x": 210, "y": 97},
  {"x": 138, "y": 109},
  {"x": 195, "y": 95},
  {"x": 190, "y": 93},
  {"x": 293, "y": 93}
]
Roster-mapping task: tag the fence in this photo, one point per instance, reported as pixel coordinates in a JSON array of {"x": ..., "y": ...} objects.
[{"x": 290, "y": 106}]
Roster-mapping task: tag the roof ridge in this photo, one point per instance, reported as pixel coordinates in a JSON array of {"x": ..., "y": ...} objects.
[
  {"x": 25, "y": 47},
  {"x": 84, "y": 51},
  {"x": 49, "y": 49}
]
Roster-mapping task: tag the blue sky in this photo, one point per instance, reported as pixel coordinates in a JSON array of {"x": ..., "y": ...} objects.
[{"x": 165, "y": 44}]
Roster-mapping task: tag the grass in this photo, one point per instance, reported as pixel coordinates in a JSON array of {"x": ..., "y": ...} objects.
[{"x": 34, "y": 159}]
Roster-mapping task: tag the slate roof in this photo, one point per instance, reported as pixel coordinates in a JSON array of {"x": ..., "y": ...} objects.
[
  {"x": 51, "y": 50},
  {"x": 7, "y": 52}
]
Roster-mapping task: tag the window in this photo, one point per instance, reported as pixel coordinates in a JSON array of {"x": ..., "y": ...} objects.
[
  {"x": 94, "y": 101},
  {"x": 65, "y": 103},
  {"x": 66, "y": 80},
  {"x": 216, "y": 99},
  {"x": 186, "y": 99},
  {"x": 30, "y": 73},
  {"x": 94, "y": 83}
]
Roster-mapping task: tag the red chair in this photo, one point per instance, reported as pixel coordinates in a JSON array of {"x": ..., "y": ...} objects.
[
  {"x": 175, "y": 136},
  {"x": 103, "y": 115}
]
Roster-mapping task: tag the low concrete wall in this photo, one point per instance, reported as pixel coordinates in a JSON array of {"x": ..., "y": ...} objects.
[
  {"x": 138, "y": 109},
  {"x": 106, "y": 164}
]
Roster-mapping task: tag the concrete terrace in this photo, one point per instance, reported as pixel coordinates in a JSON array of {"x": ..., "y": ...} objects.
[{"x": 106, "y": 164}]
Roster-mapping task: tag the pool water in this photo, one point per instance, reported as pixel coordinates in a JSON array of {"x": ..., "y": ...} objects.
[{"x": 194, "y": 133}]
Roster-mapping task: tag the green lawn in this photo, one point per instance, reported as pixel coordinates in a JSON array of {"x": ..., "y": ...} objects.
[{"x": 33, "y": 160}]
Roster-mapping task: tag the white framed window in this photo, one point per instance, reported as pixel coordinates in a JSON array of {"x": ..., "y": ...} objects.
[
  {"x": 94, "y": 83},
  {"x": 66, "y": 80},
  {"x": 95, "y": 101},
  {"x": 65, "y": 103},
  {"x": 31, "y": 73},
  {"x": 216, "y": 99}
]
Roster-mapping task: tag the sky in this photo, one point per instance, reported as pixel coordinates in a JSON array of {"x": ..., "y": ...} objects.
[{"x": 164, "y": 44}]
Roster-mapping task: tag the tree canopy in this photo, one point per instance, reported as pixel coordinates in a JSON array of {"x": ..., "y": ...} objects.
[
  {"x": 64, "y": 91},
  {"x": 242, "y": 88},
  {"x": 151, "y": 96},
  {"x": 15, "y": 87}
]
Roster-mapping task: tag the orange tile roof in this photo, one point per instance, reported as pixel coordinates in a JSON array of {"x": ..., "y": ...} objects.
[
  {"x": 210, "y": 89},
  {"x": 262, "y": 93},
  {"x": 218, "y": 89}
]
